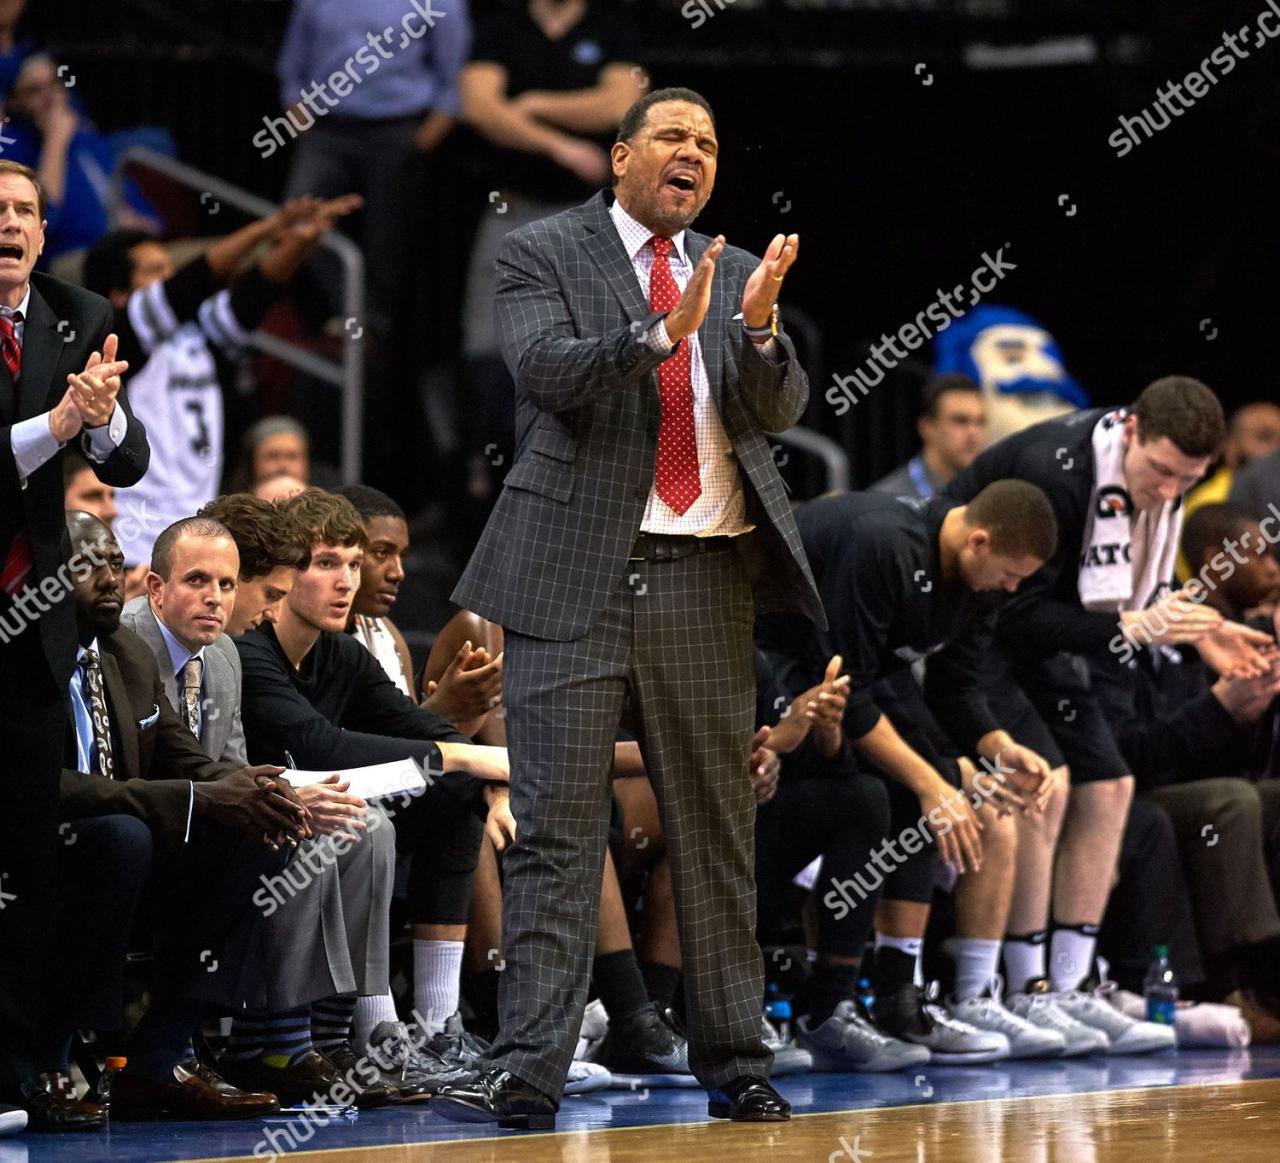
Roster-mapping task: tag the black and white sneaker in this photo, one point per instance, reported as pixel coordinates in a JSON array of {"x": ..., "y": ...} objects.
[
  {"x": 911, "y": 1016},
  {"x": 643, "y": 1049}
]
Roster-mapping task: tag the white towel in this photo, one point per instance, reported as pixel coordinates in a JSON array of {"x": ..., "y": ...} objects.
[{"x": 1125, "y": 564}]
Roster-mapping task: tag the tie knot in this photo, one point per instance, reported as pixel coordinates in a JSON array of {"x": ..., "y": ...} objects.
[
  {"x": 661, "y": 246},
  {"x": 9, "y": 321},
  {"x": 89, "y": 658},
  {"x": 191, "y": 672}
]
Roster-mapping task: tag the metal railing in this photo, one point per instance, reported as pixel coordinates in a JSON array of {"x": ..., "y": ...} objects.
[
  {"x": 833, "y": 457},
  {"x": 347, "y": 374}
]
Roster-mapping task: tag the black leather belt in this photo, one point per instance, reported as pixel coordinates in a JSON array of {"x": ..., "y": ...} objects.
[{"x": 670, "y": 547}]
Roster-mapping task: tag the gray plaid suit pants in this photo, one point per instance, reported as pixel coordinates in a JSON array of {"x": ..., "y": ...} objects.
[{"x": 678, "y": 636}]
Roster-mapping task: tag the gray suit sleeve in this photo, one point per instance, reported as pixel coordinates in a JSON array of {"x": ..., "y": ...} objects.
[
  {"x": 554, "y": 368},
  {"x": 235, "y": 750}
]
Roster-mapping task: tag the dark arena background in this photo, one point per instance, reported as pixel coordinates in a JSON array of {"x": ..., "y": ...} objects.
[{"x": 909, "y": 143}]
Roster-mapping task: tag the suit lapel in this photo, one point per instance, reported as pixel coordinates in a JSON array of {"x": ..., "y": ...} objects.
[
  {"x": 604, "y": 247},
  {"x": 147, "y": 629},
  {"x": 126, "y": 728},
  {"x": 42, "y": 348}
]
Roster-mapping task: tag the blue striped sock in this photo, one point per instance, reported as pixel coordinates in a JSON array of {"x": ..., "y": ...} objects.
[{"x": 286, "y": 1037}]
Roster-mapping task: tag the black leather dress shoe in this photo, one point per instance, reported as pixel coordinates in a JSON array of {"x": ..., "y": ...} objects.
[
  {"x": 748, "y": 1099},
  {"x": 497, "y": 1096},
  {"x": 51, "y": 1105}
]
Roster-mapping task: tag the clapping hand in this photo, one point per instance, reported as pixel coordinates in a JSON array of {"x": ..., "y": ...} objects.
[
  {"x": 94, "y": 390},
  {"x": 764, "y": 283},
  {"x": 765, "y": 767}
]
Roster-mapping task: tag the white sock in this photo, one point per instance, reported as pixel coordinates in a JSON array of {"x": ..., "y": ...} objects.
[
  {"x": 437, "y": 981},
  {"x": 370, "y": 1010},
  {"x": 1071, "y": 956},
  {"x": 977, "y": 962},
  {"x": 1023, "y": 959}
]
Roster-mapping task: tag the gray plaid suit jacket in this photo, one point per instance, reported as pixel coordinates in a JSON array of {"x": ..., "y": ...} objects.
[
  {"x": 572, "y": 319},
  {"x": 223, "y": 736}
]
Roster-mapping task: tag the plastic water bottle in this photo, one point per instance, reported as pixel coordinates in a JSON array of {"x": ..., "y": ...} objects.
[
  {"x": 778, "y": 1011},
  {"x": 1160, "y": 988},
  {"x": 113, "y": 1067}
]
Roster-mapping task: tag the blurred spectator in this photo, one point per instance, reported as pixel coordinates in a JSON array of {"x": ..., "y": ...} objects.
[
  {"x": 368, "y": 138},
  {"x": 952, "y": 427},
  {"x": 75, "y": 162},
  {"x": 180, "y": 329},
  {"x": 1256, "y": 486},
  {"x": 12, "y": 50},
  {"x": 279, "y": 488},
  {"x": 83, "y": 491},
  {"x": 547, "y": 85},
  {"x": 276, "y": 446},
  {"x": 1253, "y": 433},
  {"x": 366, "y": 110},
  {"x": 1018, "y": 364}
]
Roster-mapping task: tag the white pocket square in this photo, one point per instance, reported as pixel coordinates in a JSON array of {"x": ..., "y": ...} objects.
[{"x": 150, "y": 720}]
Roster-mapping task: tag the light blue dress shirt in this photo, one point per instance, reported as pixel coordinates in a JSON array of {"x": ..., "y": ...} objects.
[{"x": 179, "y": 656}]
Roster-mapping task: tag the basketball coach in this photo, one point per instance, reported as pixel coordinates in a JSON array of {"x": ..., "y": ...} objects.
[
  {"x": 641, "y": 511},
  {"x": 59, "y": 387}
]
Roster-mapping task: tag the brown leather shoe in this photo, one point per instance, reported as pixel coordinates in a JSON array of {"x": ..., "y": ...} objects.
[
  {"x": 311, "y": 1075},
  {"x": 1264, "y": 1024},
  {"x": 196, "y": 1092},
  {"x": 51, "y": 1105},
  {"x": 361, "y": 1075}
]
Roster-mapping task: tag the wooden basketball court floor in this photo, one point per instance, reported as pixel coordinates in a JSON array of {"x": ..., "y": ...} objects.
[{"x": 1185, "y": 1105}]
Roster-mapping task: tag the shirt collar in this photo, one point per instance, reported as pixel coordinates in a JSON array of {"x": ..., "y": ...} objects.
[
  {"x": 634, "y": 235},
  {"x": 26, "y": 301},
  {"x": 179, "y": 655},
  {"x": 81, "y": 649}
]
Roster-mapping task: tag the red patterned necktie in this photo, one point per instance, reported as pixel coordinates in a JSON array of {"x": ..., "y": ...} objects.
[
  {"x": 18, "y": 562},
  {"x": 676, "y": 477}
]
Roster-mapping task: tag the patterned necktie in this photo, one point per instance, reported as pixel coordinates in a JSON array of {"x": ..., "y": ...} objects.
[
  {"x": 92, "y": 668},
  {"x": 676, "y": 476},
  {"x": 18, "y": 562},
  {"x": 189, "y": 689},
  {"x": 10, "y": 348}
]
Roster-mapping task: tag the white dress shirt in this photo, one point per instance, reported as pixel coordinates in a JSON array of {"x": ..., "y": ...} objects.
[
  {"x": 720, "y": 510},
  {"x": 32, "y": 442}
]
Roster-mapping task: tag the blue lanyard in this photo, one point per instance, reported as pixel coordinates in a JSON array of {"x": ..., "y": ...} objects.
[{"x": 915, "y": 466}]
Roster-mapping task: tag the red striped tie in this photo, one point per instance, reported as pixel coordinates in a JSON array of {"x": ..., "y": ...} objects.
[
  {"x": 676, "y": 477},
  {"x": 18, "y": 562}
]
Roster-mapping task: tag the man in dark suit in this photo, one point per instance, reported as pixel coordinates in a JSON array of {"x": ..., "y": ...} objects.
[
  {"x": 620, "y": 560},
  {"x": 56, "y": 387},
  {"x": 149, "y": 818}
]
